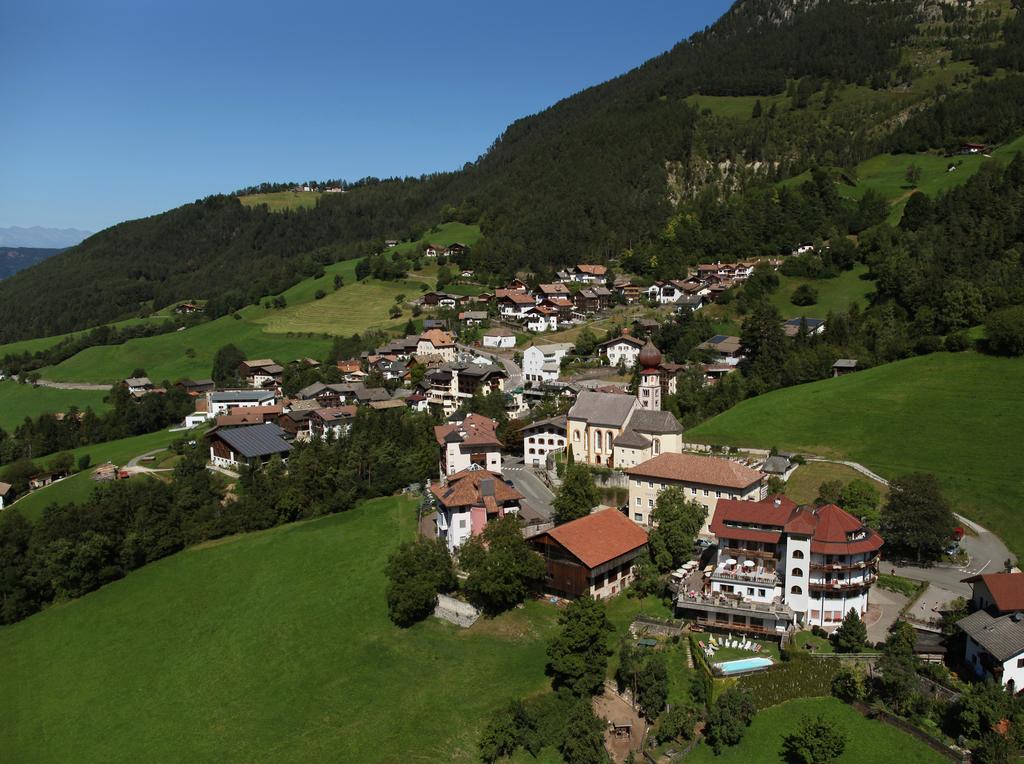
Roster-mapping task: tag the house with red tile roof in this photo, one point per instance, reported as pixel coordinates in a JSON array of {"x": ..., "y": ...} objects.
[
  {"x": 438, "y": 343},
  {"x": 593, "y": 555},
  {"x": 997, "y": 593},
  {"x": 780, "y": 565},
  {"x": 472, "y": 441},
  {"x": 467, "y": 501}
]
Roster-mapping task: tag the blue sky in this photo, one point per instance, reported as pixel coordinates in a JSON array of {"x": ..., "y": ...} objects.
[{"x": 117, "y": 110}]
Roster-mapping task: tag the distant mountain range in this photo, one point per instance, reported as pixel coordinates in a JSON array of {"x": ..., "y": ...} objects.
[
  {"x": 41, "y": 238},
  {"x": 14, "y": 259}
]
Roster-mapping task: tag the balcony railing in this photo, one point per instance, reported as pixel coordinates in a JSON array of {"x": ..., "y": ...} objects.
[
  {"x": 764, "y": 578},
  {"x": 860, "y": 565},
  {"x": 734, "y": 603},
  {"x": 738, "y": 550},
  {"x": 841, "y": 586}
]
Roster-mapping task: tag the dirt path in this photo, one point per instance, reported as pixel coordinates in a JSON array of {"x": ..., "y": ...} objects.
[{"x": 71, "y": 385}]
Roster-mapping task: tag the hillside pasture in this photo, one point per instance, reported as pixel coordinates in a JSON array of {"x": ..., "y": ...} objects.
[
  {"x": 959, "y": 416},
  {"x": 836, "y": 295},
  {"x": 20, "y": 401},
  {"x": 268, "y": 646},
  {"x": 279, "y": 201},
  {"x": 77, "y": 487}
]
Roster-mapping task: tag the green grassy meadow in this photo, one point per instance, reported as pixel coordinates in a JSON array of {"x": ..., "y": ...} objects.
[
  {"x": 867, "y": 741},
  {"x": 20, "y": 401},
  {"x": 834, "y": 295},
  {"x": 279, "y": 201},
  {"x": 42, "y": 343},
  {"x": 269, "y": 646},
  {"x": 304, "y": 328},
  {"x": 959, "y": 416},
  {"x": 802, "y": 487},
  {"x": 78, "y": 486}
]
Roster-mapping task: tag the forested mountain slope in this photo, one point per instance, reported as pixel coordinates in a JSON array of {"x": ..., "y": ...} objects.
[
  {"x": 14, "y": 259},
  {"x": 596, "y": 174}
]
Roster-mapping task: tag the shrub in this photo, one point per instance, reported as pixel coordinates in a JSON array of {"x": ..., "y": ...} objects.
[
  {"x": 848, "y": 684},
  {"x": 957, "y": 342},
  {"x": 804, "y": 294},
  {"x": 319, "y": 294},
  {"x": 815, "y": 741},
  {"x": 1005, "y": 331}
]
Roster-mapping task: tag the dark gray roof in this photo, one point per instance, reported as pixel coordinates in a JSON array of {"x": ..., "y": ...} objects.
[
  {"x": 256, "y": 440},
  {"x": 235, "y": 396},
  {"x": 366, "y": 394},
  {"x": 632, "y": 439},
  {"x": 845, "y": 363},
  {"x": 624, "y": 338},
  {"x": 654, "y": 422},
  {"x": 776, "y": 465},
  {"x": 558, "y": 422},
  {"x": 605, "y": 409},
  {"x": 1002, "y": 638}
]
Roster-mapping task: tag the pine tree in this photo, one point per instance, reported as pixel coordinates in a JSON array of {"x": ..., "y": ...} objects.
[
  {"x": 852, "y": 634},
  {"x": 576, "y": 496}
]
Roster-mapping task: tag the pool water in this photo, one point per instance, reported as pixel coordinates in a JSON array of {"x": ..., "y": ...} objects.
[{"x": 743, "y": 664}]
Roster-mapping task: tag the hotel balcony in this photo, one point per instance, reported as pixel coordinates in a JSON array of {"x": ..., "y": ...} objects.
[
  {"x": 747, "y": 576},
  {"x": 841, "y": 586},
  {"x": 734, "y": 613},
  {"x": 860, "y": 565},
  {"x": 738, "y": 551}
]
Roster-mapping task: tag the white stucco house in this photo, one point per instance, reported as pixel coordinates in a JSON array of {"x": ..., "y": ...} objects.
[{"x": 542, "y": 363}]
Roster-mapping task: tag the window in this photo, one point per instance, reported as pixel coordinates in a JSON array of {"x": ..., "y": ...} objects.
[
  {"x": 797, "y": 573},
  {"x": 533, "y": 450},
  {"x": 760, "y": 593},
  {"x": 576, "y": 435},
  {"x": 638, "y": 501},
  {"x": 657, "y": 446},
  {"x": 718, "y": 494},
  {"x": 798, "y": 554},
  {"x": 796, "y": 590},
  {"x": 638, "y": 516},
  {"x": 706, "y": 492},
  {"x": 650, "y": 502},
  {"x": 750, "y": 591},
  {"x": 462, "y": 523},
  {"x": 597, "y": 440}
]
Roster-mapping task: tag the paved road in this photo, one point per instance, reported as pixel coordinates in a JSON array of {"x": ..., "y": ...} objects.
[
  {"x": 71, "y": 385},
  {"x": 525, "y": 480},
  {"x": 515, "y": 374}
]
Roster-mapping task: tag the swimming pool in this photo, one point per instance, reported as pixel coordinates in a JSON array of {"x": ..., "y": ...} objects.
[{"x": 743, "y": 664}]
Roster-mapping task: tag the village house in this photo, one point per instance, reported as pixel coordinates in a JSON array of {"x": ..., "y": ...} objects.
[
  {"x": 498, "y": 337},
  {"x": 435, "y": 342},
  {"x": 6, "y": 494},
  {"x": 249, "y": 415},
  {"x": 251, "y": 446},
  {"x": 812, "y": 326},
  {"x": 260, "y": 373},
  {"x": 472, "y": 317},
  {"x": 546, "y": 291},
  {"x": 138, "y": 385},
  {"x": 621, "y": 351},
  {"x": 541, "y": 438},
  {"x": 432, "y": 250},
  {"x": 589, "y": 274},
  {"x": 844, "y": 366},
  {"x": 187, "y": 308},
  {"x": 703, "y": 478},
  {"x": 295, "y": 422},
  {"x": 456, "y": 249},
  {"x": 331, "y": 422},
  {"x": 223, "y": 401},
  {"x": 441, "y": 300},
  {"x": 467, "y": 501},
  {"x": 724, "y": 349},
  {"x": 778, "y": 565},
  {"x": 541, "y": 318},
  {"x": 595, "y": 555},
  {"x": 627, "y": 290},
  {"x": 592, "y": 299},
  {"x": 196, "y": 387},
  {"x": 470, "y": 441},
  {"x": 994, "y": 645},
  {"x": 542, "y": 363},
  {"x": 452, "y": 384},
  {"x": 515, "y": 304}
]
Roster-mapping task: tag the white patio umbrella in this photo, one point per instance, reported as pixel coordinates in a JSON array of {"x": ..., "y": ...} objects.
[
  {"x": 748, "y": 563},
  {"x": 730, "y": 561}
]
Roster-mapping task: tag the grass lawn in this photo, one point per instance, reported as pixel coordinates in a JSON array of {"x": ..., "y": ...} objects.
[
  {"x": 802, "y": 487},
  {"x": 20, "y": 401},
  {"x": 737, "y": 107},
  {"x": 834, "y": 295},
  {"x": 79, "y": 486},
  {"x": 269, "y": 646},
  {"x": 959, "y": 416},
  {"x": 42, "y": 343},
  {"x": 867, "y": 741},
  {"x": 279, "y": 201},
  {"x": 818, "y": 644}
]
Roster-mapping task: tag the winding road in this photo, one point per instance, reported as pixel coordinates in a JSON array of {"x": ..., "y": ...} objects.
[{"x": 515, "y": 374}]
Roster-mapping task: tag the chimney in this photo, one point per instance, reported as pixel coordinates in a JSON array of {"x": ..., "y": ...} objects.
[
  {"x": 487, "y": 487},
  {"x": 777, "y": 502}
]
